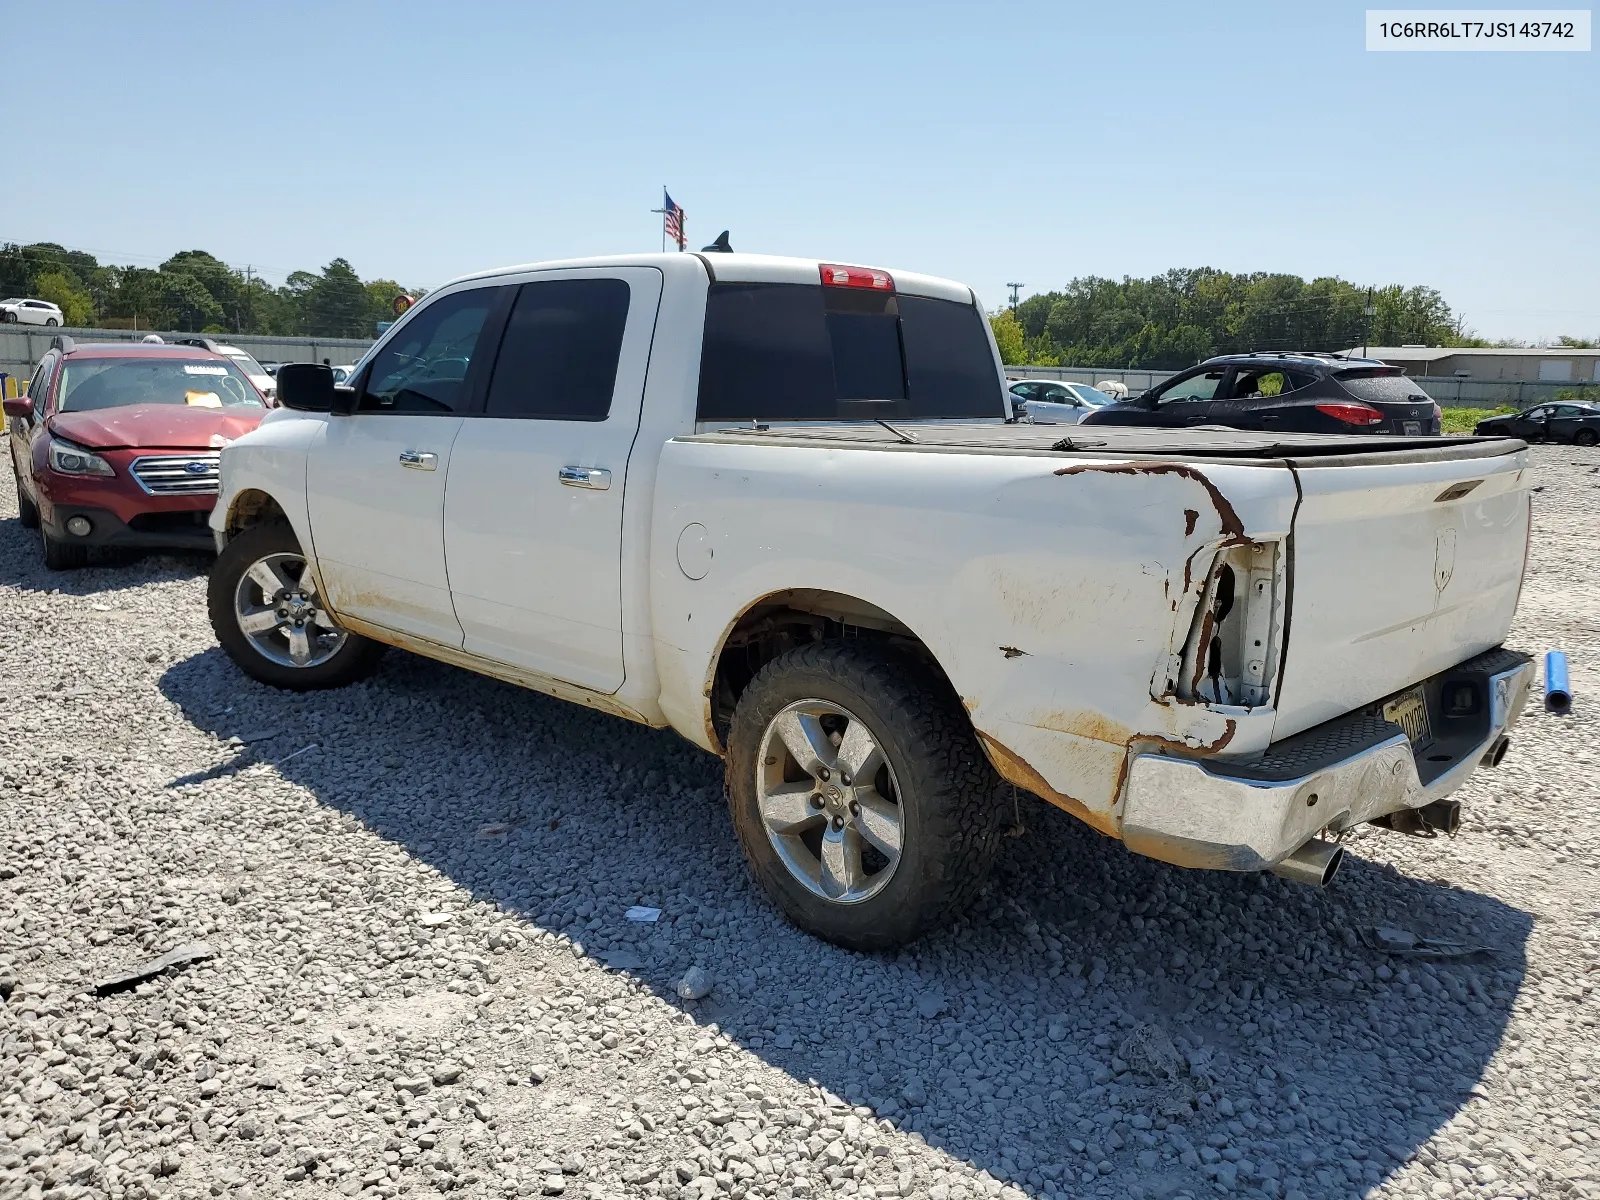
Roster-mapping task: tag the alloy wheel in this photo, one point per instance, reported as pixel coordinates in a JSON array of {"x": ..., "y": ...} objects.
[
  {"x": 829, "y": 801},
  {"x": 278, "y": 608}
]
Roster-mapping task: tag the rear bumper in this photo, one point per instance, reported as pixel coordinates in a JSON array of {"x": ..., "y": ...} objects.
[{"x": 1248, "y": 816}]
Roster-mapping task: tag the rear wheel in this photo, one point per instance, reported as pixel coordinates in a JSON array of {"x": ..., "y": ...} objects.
[
  {"x": 866, "y": 809},
  {"x": 1586, "y": 437},
  {"x": 51, "y": 321},
  {"x": 269, "y": 617}
]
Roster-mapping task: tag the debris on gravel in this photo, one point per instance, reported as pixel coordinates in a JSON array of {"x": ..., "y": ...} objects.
[{"x": 419, "y": 894}]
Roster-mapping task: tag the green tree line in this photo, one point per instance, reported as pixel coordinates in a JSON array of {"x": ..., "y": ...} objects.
[
  {"x": 194, "y": 291},
  {"x": 1177, "y": 319}
]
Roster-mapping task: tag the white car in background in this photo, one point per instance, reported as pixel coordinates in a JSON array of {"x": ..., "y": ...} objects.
[
  {"x": 1054, "y": 402},
  {"x": 254, "y": 371},
  {"x": 19, "y": 311},
  {"x": 341, "y": 375}
]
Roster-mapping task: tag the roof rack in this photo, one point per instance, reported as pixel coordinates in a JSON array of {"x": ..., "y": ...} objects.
[{"x": 203, "y": 343}]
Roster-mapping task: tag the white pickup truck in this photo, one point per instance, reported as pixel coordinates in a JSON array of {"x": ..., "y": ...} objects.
[{"x": 777, "y": 505}]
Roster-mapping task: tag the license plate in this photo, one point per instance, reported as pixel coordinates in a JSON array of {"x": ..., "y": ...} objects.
[
  {"x": 1410, "y": 711},
  {"x": 1412, "y": 428}
]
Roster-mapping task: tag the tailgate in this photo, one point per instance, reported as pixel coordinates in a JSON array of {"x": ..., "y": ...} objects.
[{"x": 1401, "y": 570}]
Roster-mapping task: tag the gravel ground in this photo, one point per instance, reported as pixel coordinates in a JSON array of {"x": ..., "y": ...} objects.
[{"x": 424, "y": 979}]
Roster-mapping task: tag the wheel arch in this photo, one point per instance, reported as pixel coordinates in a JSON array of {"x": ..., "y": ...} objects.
[
  {"x": 782, "y": 620},
  {"x": 252, "y": 506}
]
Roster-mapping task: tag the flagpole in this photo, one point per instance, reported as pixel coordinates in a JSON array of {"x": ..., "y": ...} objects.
[{"x": 663, "y": 213}]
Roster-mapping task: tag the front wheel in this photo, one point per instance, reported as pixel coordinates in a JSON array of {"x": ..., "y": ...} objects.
[
  {"x": 267, "y": 613},
  {"x": 1586, "y": 437},
  {"x": 27, "y": 510},
  {"x": 58, "y": 555},
  {"x": 866, "y": 809}
]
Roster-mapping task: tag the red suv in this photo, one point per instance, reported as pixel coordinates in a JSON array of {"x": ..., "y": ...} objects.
[{"x": 118, "y": 444}]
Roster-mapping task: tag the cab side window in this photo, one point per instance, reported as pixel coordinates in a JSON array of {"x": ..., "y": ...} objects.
[
  {"x": 558, "y": 358},
  {"x": 423, "y": 368}
]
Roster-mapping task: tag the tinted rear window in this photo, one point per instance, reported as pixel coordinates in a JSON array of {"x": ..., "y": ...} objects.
[
  {"x": 796, "y": 352},
  {"x": 948, "y": 360},
  {"x": 1385, "y": 389}
]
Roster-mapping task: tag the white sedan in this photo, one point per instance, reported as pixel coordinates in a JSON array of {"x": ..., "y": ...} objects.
[
  {"x": 20, "y": 311},
  {"x": 1054, "y": 402}
]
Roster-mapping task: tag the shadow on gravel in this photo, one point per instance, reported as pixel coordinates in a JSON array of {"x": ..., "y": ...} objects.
[
  {"x": 22, "y": 566},
  {"x": 1097, "y": 1018}
]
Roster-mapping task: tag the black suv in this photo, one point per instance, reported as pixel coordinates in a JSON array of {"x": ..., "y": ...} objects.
[{"x": 1288, "y": 393}]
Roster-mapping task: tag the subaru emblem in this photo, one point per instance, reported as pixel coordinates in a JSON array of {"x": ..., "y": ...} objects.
[{"x": 197, "y": 468}]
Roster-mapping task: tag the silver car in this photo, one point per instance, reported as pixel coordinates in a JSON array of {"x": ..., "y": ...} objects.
[{"x": 1054, "y": 402}]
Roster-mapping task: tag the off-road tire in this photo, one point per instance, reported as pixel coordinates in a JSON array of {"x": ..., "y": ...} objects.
[
  {"x": 1585, "y": 437},
  {"x": 27, "y": 510},
  {"x": 950, "y": 802},
  {"x": 355, "y": 660},
  {"x": 62, "y": 556}
]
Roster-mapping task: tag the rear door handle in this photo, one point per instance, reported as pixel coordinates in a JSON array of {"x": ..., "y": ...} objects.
[
  {"x": 596, "y": 478},
  {"x": 419, "y": 460}
]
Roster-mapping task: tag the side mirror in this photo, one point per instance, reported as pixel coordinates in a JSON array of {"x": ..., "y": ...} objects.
[
  {"x": 20, "y": 407},
  {"x": 305, "y": 387}
]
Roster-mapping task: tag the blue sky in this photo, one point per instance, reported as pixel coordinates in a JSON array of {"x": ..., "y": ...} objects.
[{"x": 1024, "y": 141}]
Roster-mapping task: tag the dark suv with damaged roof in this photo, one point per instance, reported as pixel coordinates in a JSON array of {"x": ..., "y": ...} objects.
[{"x": 1283, "y": 393}]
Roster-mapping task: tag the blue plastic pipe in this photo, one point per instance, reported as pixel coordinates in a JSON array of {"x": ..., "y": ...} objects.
[{"x": 1557, "y": 692}]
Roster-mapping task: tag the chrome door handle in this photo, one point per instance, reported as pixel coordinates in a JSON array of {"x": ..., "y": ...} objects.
[
  {"x": 597, "y": 478},
  {"x": 419, "y": 460}
]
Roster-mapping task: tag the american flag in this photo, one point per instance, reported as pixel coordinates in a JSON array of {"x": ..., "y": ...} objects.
[{"x": 673, "y": 217}]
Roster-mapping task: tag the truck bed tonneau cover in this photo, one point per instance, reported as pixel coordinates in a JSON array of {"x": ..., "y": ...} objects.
[{"x": 1117, "y": 441}]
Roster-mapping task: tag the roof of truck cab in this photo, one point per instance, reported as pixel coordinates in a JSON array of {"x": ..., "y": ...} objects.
[
  {"x": 743, "y": 268},
  {"x": 1112, "y": 441}
]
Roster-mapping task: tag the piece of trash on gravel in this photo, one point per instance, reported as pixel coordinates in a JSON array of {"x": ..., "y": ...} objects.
[
  {"x": 641, "y": 915},
  {"x": 187, "y": 953},
  {"x": 430, "y": 919},
  {"x": 695, "y": 984},
  {"x": 495, "y": 829},
  {"x": 620, "y": 960},
  {"x": 1404, "y": 942},
  {"x": 255, "y": 735}
]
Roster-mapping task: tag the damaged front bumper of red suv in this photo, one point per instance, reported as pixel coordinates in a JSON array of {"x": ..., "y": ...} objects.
[{"x": 157, "y": 500}]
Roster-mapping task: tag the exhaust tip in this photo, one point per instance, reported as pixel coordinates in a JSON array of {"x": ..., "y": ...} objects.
[
  {"x": 1315, "y": 864},
  {"x": 1496, "y": 753}
]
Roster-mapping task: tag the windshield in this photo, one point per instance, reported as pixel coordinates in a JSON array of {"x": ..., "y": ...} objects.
[
  {"x": 245, "y": 363},
  {"x": 1091, "y": 395},
  {"x": 97, "y": 383}
]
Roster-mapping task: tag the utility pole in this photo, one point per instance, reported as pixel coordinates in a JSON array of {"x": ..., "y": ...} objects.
[
  {"x": 249, "y": 299},
  {"x": 1015, "y": 289},
  {"x": 1366, "y": 335}
]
